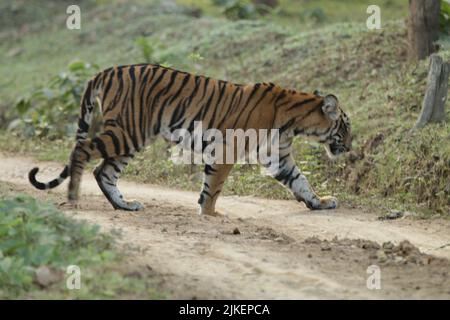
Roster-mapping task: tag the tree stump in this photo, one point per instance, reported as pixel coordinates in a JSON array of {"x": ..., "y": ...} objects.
[
  {"x": 433, "y": 106},
  {"x": 423, "y": 27}
]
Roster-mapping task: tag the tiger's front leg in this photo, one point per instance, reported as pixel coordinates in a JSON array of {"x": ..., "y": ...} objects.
[
  {"x": 290, "y": 176},
  {"x": 213, "y": 180}
]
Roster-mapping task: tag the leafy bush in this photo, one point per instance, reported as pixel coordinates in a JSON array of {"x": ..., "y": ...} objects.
[
  {"x": 52, "y": 110},
  {"x": 34, "y": 234}
]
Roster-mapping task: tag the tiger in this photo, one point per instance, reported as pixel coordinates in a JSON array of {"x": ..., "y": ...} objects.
[{"x": 142, "y": 102}]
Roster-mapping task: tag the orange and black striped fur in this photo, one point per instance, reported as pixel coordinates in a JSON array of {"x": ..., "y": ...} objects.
[{"x": 141, "y": 102}]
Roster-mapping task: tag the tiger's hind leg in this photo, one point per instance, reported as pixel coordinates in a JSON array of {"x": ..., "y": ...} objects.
[
  {"x": 107, "y": 174},
  {"x": 105, "y": 145}
]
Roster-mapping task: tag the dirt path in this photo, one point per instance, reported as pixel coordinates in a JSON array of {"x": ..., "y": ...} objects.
[{"x": 282, "y": 250}]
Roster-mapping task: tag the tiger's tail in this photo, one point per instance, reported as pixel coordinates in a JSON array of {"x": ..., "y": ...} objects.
[
  {"x": 84, "y": 122},
  {"x": 49, "y": 185}
]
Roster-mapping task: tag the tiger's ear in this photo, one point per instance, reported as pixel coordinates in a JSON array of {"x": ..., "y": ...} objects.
[{"x": 330, "y": 107}]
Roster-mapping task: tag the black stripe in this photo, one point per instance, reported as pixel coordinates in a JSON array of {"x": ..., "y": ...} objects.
[
  {"x": 100, "y": 147},
  {"x": 207, "y": 193},
  {"x": 115, "y": 167},
  {"x": 109, "y": 84},
  {"x": 255, "y": 89},
  {"x": 156, "y": 82},
  {"x": 133, "y": 127},
  {"x": 206, "y": 106},
  {"x": 115, "y": 141},
  {"x": 284, "y": 175},
  {"x": 201, "y": 199},
  {"x": 183, "y": 84},
  {"x": 286, "y": 126},
  {"x": 83, "y": 127},
  {"x": 301, "y": 103},
  {"x": 229, "y": 108},
  {"x": 209, "y": 169},
  {"x": 118, "y": 93},
  {"x": 257, "y": 103},
  {"x": 292, "y": 179},
  {"x": 221, "y": 95},
  {"x": 162, "y": 92}
]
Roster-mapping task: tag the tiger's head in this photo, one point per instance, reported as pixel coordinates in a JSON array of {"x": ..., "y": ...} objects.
[
  {"x": 339, "y": 139},
  {"x": 326, "y": 123}
]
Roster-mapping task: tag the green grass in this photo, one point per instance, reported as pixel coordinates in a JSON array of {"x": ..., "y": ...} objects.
[
  {"x": 35, "y": 235},
  {"x": 298, "y": 12},
  {"x": 42, "y": 149},
  {"x": 368, "y": 70}
]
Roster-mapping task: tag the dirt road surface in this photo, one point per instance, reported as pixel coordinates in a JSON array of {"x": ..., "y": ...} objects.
[{"x": 260, "y": 249}]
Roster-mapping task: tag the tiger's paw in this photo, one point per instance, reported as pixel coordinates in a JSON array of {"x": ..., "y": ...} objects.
[
  {"x": 211, "y": 213},
  {"x": 328, "y": 202},
  {"x": 322, "y": 203},
  {"x": 69, "y": 205},
  {"x": 131, "y": 206}
]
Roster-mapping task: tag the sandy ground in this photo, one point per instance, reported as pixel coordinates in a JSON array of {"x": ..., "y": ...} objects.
[{"x": 260, "y": 249}]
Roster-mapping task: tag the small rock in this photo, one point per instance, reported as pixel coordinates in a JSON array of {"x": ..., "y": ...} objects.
[
  {"x": 312, "y": 240},
  {"x": 414, "y": 260},
  {"x": 367, "y": 245},
  {"x": 406, "y": 248},
  {"x": 164, "y": 230},
  {"x": 388, "y": 246},
  {"x": 394, "y": 214},
  {"x": 400, "y": 260},
  {"x": 236, "y": 231},
  {"x": 279, "y": 239},
  {"x": 46, "y": 276},
  {"x": 381, "y": 256},
  {"x": 325, "y": 247}
]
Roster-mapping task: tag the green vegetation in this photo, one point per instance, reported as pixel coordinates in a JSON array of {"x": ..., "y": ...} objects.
[
  {"x": 300, "y": 13},
  {"x": 146, "y": 49},
  {"x": 52, "y": 110},
  {"x": 445, "y": 16},
  {"x": 379, "y": 88},
  {"x": 38, "y": 243}
]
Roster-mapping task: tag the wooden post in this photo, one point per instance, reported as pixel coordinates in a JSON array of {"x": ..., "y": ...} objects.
[
  {"x": 423, "y": 27},
  {"x": 433, "y": 106}
]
